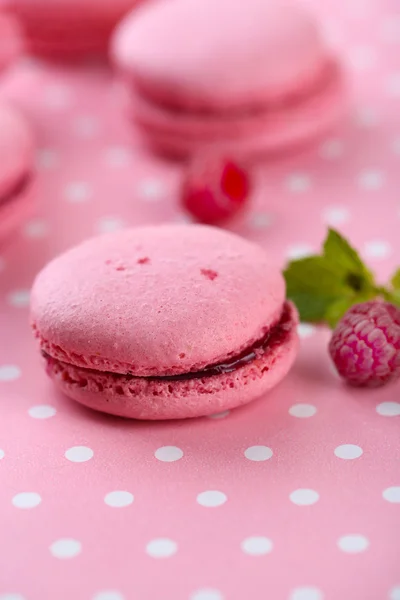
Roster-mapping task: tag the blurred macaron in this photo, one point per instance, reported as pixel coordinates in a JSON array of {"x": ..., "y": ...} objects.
[
  {"x": 17, "y": 147},
  {"x": 245, "y": 78}
]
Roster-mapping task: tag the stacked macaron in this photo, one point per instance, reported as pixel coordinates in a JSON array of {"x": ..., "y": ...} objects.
[
  {"x": 68, "y": 28},
  {"x": 164, "y": 322},
  {"x": 16, "y": 170},
  {"x": 244, "y": 77}
]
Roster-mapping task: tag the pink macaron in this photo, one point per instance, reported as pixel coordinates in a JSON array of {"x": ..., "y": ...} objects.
[
  {"x": 245, "y": 78},
  {"x": 164, "y": 322},
  {"x": 16, "y": 170},
  {"x": 68, "y": 28}
]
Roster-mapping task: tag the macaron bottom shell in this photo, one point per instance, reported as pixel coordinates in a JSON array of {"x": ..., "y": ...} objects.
[
  {"x": 158, "y": 399},
  {"x": 180, "y": 135}
]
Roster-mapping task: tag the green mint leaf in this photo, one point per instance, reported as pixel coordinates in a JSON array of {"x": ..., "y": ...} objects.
[
  {"x": 395, "y": 281},
  {"x": 312, "y": 308},
  {"x": 315, "y": 274},
  {"x": 336, "y": 310},
  {"x": 324, "y": 287},
  {"x": 313, "y": 284},
  {"x": 338, "y": 250},
  {"x": 392, "y": 296}
]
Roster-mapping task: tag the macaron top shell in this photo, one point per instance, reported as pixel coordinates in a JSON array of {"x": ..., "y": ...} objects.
[
  {"x": 16, "y": 148},
  {"x": 219, "y": 54},
  {"x": 156, "y": 300}
]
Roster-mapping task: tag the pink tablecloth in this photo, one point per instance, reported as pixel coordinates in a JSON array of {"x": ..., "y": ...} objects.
[{"x": 296, "y": 497}]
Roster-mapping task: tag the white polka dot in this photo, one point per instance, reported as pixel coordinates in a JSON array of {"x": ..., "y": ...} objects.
[
  {"x": 371, "y": 179},
  {"x": 77, "y": 191},
  {"x": 36, "y": 228},
  {"x": 348, "y": 451},
  {"x": 118, "y": 499},
  {"x": 117, "y": 156},
  {"x": 2, "y": 454},
  {"x": 393, "y": 85},
  {"x": 305, "y": 330},
  {"x": 42, "y": 411},
  {"x": 46, "y": 159},
  {"x": 353, "y": 543},
  {"x": 211, "y": 498},
  {"x": 161, "y": 548},
  {"x": 392, "y": 494},
  {"x": 168, "y": 453},
  {"x": 298, "y": 182},
  {"x": 331, "y": 149},
  {"x": 388, "y": 409},
  {"x": 336, "y": 215},
  {"x": 394, "y": 593},
  {"x": 260, "y": 220},
  {"x": 85, "y": 126},
  {"x": 207, "y": 594},
  {"x": 57, "y": 96},
  {"x": 108, "y": 595},
  {"x": 19, "y": 298},
  {"x": 150, "y": 189},
  {"x": 66, "y": 548},
  {"x": 361, "y": 58},
  {"x": 306, "y": 593},
  {"x": 390, "y": 29},
  {"x": 377, "y": 249},
  {"x": 302, "y": 411},
  {"x": 258, "y": 453},
  {"x": 109, "y": 224},
  {"x": 299, "y": 251},
  {"x": 304, "y": 497},
  {"x": 26, "y": 500},
  {"x": 12, "y": 597},
  {"x": 79, "y": 454},
  {"x": 257, "y": 545},
  {"x": 396, "y": 146},
  {"x": 9, "y": 372},
  {"x": 221, "y": 415},
  {"x": 367, "y": 116}
]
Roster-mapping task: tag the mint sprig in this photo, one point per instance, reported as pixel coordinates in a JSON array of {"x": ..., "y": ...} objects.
[{"x": 325, "y": 286}]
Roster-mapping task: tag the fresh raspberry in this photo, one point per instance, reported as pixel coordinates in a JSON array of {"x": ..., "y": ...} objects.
[
  {"x": 215, "y": 189},
  {"x": 365, "y": 345}
]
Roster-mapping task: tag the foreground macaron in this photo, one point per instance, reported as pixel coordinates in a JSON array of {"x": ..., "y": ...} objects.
[
  {"x": 164, "y": 322},
  {"x": 241, "y": 77},
  {"x": 16, "y": 170},
  {"x": 68, "y": 28}
]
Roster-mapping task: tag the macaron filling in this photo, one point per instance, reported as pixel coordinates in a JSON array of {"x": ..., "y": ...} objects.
[
  {"x": 276, "y": 336},
  {"x": 16, "y": 190}
]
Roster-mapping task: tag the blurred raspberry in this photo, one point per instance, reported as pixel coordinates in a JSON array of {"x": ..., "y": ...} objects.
[
  {"x": 215, "y": 189},
  {"x": 365, "y": 345}
]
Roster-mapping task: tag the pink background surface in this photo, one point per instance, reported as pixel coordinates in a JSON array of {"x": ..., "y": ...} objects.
[{"x": 303, "y": 487}]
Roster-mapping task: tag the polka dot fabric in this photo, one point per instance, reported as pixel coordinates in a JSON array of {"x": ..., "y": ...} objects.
[{"x": 295, "y": 497}]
